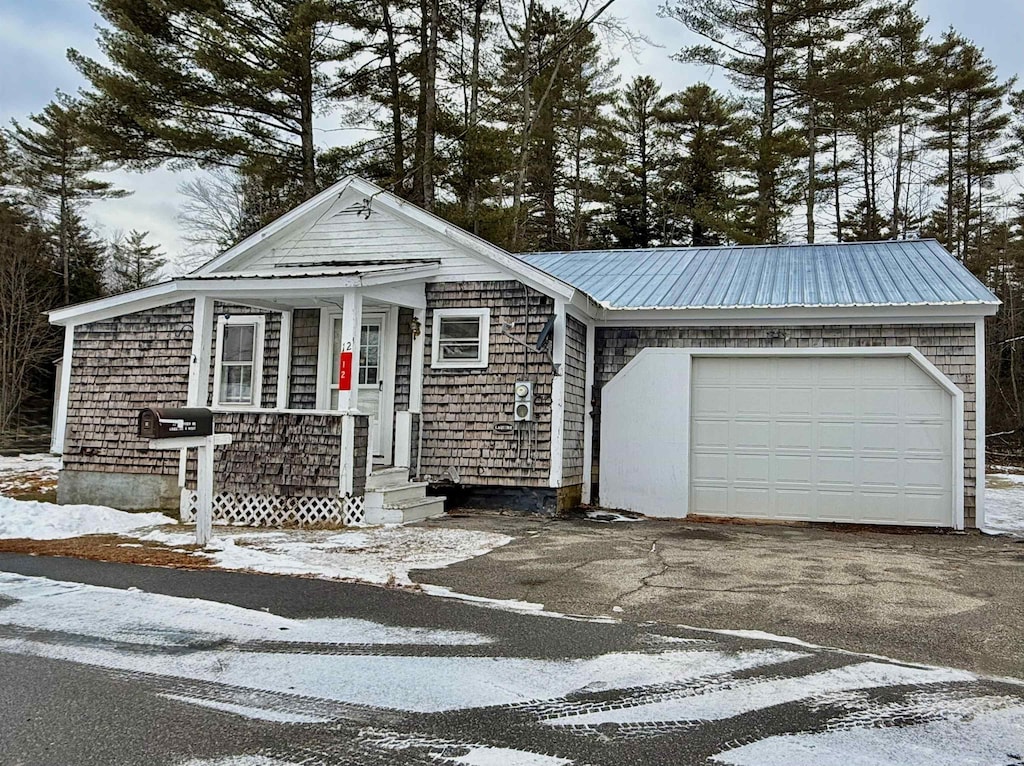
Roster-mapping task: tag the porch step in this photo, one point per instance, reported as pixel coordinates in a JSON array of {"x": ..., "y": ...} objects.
[
  {"x": 399, "y": 493},
  {"x": 387, "y": 477},
  {"x": 403, "y": 511}
]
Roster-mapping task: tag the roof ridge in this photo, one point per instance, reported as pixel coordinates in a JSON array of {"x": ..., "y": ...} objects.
[{"x": 916, "y": 240}]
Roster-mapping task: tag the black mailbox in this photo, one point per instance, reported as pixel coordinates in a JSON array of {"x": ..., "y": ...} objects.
[{"x": 172, "y": 422}]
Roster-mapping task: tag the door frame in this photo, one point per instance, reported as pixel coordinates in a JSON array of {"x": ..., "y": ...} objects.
[
  {"x": 388, "y": 365},
  {"x": 684, "y": 401}
]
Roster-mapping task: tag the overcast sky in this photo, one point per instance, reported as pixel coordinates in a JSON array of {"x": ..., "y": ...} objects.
[{"x": 34, "y": 35}]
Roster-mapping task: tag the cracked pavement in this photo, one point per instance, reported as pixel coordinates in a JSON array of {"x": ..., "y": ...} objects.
[{"x": 949, "y": 599}]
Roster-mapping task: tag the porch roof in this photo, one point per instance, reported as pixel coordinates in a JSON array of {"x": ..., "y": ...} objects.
[{"x": 279, "y": 288}]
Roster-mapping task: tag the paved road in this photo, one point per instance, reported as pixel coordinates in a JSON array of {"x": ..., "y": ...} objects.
[{"x": 113, "y": 664}]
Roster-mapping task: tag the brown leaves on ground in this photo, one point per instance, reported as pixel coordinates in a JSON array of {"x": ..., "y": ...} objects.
[{"x": 115, "y": 548}]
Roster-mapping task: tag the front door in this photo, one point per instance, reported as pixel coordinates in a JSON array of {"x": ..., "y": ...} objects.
[
  {"x": 370, "y": 400},
  {"x": 375, "y": 387}
]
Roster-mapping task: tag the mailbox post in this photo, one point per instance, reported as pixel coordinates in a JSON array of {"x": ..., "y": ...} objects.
[{"x": 184, "y": 428}]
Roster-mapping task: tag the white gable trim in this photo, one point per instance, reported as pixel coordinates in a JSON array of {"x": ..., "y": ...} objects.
[{"x": 412, "y": 214}]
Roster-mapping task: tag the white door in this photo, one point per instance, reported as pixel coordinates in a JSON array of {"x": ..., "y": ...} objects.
[
  {"x": 864, "y": 439},
  {"x": 371, "y": 378}
]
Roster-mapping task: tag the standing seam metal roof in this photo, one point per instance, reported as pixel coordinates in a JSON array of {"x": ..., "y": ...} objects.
[{"x": 892, "y": 273}]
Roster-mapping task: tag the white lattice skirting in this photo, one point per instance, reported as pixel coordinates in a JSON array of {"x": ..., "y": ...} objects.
[{"x": 272, "y": 511}]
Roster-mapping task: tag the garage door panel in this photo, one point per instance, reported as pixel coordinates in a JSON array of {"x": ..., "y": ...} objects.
[
  {"x": 709, "y": 400},
  {"x": 793, "y": 434},
  {"x": 852, "y": 439},
  {"x": 750, "y": 434},
  {"x": 710, "y": 433},
  {"x": 709, "y": 466},
  {"x": 712, "y": 500}
]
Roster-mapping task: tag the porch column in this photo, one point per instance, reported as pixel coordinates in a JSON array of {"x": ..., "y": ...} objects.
[
  {"x": 351, "y": 322},
  {"x": 404, "y": 433},
  {"x": 199, "y": 363}
]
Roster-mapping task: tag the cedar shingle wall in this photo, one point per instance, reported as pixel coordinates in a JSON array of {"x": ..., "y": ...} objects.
[
  {"x": 403, "y": 365},
  {"x": 271, "y": 348},
  {"x": 305, "y": 349},
  {"x": 291, "y": 455},
  {"x": 118, "y": 367},
  {"x": 461, "y": 407},
  {"x": 575, "y": 400},
  {"x": 949, "y": 347}
]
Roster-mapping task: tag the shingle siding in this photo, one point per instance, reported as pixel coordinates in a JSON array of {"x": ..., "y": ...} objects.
[
  {"x": 950, "y": 347},
  {"x": 575, "y": 401},
  {"x": 118, "y": 367},
  {"x": 461, "y": 407},
  {"x": 305, "y": 350}
]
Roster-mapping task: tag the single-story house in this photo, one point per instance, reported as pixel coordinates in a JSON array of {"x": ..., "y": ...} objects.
[{"x": 360, "y": 351}]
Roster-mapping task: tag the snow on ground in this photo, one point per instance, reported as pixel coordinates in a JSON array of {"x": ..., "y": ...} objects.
[
  {"x": 153, "y": 619},
  {"x": 26, "y": 473},
  {"x": 49, "y": 521},
  {"x": 382, "y": 555},
  {"x": 609, "y": 517},
  {"x": 1004, "y": 504},
  {"x": 429, "y": 683},
  {"x": 995, "y": 737}
]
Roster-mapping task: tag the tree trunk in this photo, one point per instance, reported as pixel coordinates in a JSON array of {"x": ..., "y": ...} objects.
[
  {"x": 763, "y": 224},
  {"x": 812, "y": 147},
  {"x": 397, "y": 137},
  {"x": 306, "y": 115},
  {"x": 474, "y": 104},
  {"x": 430, "y": 106}
]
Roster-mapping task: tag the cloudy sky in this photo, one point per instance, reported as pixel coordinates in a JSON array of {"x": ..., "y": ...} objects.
[{"x": 34, "y": 35}]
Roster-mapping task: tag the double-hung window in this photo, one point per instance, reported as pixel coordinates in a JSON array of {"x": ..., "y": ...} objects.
[
  {"x": 460, "y": 337},
  {"x": 239, "y": 370}
]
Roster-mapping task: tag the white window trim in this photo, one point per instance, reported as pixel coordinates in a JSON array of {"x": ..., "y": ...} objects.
[
  {"x": 484, "y": 336},
  {"x": 257, "y": 359}
]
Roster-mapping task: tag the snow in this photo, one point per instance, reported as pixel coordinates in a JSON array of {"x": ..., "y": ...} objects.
[
  {"x": 152, "y": 619},
  {"x": 23, "y": 473},
  {"x": 382, "y": 555},
  {"x": 610, "y": 517},
  {"x": 744, "y": 697},
  {"x": 992, "y": 738},
  {"x": 215, "y": 635},
  {"x": 1004, "y": 504},
  {"x": 503, "y": 756},
  {"x": 257, "y": 713},
  {"x": 49, "y": 521}
]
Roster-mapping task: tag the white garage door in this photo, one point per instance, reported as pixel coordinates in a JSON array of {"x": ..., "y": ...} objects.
[{"x": 849, "y": 439}]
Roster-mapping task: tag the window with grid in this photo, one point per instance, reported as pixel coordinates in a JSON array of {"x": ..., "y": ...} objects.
[
  {"x": 239, "y": 346},
  {"x": 460, "y": 337}
]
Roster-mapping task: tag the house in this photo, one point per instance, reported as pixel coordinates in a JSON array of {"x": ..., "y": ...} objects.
[{"x": 359, "y": 349}]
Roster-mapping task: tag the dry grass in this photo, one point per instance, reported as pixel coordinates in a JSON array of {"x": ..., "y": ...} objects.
[{"x": 115, "y": 548}]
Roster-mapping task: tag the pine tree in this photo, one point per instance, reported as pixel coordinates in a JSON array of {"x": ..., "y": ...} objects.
[
  {"x": 631, "y": 165},
  {"x": 87, "y": 256},
  {"x": 969, "y": 124},
  {"x": 213, "y": 82},
  {"x": 705, "y": 202},
  {"x": 55, "y": 171},
  {"x": 133, "y": 263}
]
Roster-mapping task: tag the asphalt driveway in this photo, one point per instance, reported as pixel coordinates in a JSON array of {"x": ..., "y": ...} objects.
[{"x": 949, "y": 599}]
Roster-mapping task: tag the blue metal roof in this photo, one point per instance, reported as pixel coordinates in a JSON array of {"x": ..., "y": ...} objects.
[{"x": 893, "y": 273}]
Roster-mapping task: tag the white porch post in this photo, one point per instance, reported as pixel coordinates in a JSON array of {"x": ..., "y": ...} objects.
[
  {"x": 202, "y": 340},
  {"x": 404, "y": 420},
  {"x": 351, "y": 322},
  {"x": 557, "y": 395},
  {"x": 284, "y": 360},
  {"x": 60, "y": 421},
  {"x": 588, "y": 421}
]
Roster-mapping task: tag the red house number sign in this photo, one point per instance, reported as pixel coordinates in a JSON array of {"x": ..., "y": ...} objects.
[{"x": 345, "y": 371}]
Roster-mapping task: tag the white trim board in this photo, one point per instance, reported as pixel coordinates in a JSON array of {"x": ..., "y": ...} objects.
[
  {"x": 980, "y": 442},
  {"x": 683, "y": 415}
]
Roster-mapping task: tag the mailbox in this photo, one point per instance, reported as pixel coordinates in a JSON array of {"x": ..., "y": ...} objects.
[{"x": 174, "y": 422}]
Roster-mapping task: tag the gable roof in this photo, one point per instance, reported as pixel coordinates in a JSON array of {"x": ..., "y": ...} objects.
[{"x": 893, "y": 273}]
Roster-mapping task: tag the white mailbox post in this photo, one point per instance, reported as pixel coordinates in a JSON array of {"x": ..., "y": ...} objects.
[{"x": 204, "y": 475}]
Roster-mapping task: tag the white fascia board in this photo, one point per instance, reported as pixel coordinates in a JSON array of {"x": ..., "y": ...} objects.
[
  {"x": 827, "y": 315},
  {"x": 103, "y": 308},
  {"x": 279, "y": 288},
  {"x": 327, "y": 196}
]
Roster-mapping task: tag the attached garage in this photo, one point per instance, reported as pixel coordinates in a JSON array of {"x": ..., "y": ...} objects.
[
  {"x": 838, "y": 382},
  {"x": 850, "y": 435}
]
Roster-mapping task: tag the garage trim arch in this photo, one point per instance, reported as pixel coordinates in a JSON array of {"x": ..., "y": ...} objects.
[{"x": 638, "y": 472}]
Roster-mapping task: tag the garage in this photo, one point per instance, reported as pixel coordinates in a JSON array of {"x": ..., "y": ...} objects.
[{"x": 850, "y": 435}]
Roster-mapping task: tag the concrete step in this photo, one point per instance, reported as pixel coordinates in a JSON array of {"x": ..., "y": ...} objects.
[
  {"x": 387, "y": 477},
  {"x": 423, "y": 508},
  {"x": 414, "y": 490}
]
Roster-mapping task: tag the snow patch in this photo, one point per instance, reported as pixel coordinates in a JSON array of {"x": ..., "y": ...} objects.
[
  {"x": 152, "y": 619},
  {"x": 610, "y": 517},
  {"x": 987, "y": 738},
  {"x": 381, "y": 555},
  {"x": 503, "y": 756},
  {"x": 10, "y": 464},
  {"x": 744, "y": 697},
  {"x": 257, "y": 713},
  {"x": 49, "y": 521},
  {"x": 1004, "y": 504}
]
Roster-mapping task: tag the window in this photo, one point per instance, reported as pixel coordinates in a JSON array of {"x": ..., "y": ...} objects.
[
  {"x": 238, "y": 374},
  {"x": 460, "y": 337}
]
